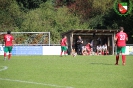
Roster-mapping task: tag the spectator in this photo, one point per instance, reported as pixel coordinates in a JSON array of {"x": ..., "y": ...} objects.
[
  {"x": 84, "y": 51},
  {"x": 88, "y": 48},
  {"x": 99, "y": 41},
  {"x": 92, "y": 43},
  {"x": 79, "y": 45},
  {"x": 104, "y": 49},
  {"x": 99, "y": 49}
]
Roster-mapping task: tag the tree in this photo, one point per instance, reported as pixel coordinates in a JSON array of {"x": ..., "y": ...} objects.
[
  {"x": 30, "y": 4},
  {"x": 113, "y": 21},
  {"x": 49, "y": 19},
  {"x": 10, "y": 15}
]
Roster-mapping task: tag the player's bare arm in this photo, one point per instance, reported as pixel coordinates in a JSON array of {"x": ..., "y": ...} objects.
[
  {"x": 115, "y": 40},
  {"x": 82, "y": 42},
  {"x": 66, "y": 43},
  {"x": 126, "y": 38}
]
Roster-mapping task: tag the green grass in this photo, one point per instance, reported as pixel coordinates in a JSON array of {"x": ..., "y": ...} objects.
[{"x": 66, "y": 72}]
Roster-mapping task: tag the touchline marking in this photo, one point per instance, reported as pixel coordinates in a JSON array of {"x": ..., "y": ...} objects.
[
  {"x": 52, "y": 85},
  {"x": 4, "y": 68}
]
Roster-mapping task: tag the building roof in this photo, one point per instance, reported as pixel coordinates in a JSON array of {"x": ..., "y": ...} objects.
[{"x": 91, "y": 31}]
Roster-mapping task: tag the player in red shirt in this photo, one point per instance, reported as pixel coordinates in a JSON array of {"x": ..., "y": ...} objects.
[
  {"x": 121, "y": 38},
  {"x": 8, "y": 42},
  {"x": 63, "y": 44},
  {"x": 88, "y": 48}
]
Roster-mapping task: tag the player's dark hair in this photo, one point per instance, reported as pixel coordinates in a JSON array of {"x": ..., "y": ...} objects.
[
  {"x": 65, "y": 36},
  {"x": 8, "y": 32},
  {"x": 121, "y": 28}
]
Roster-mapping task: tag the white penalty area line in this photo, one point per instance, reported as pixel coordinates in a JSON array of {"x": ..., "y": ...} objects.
[
  {"x": 3, "y": 68},
  {"x": 52, "y": 85}
]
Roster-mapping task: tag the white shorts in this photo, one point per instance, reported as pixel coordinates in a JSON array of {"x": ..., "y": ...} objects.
[
  {"x": 99, "y": 49},
  {"x": 104, "y": 48}
]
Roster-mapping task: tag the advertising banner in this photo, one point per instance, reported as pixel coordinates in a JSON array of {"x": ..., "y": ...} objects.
[
  {"x": 130, "y": 50},
  {"x": 45, "y": 50},
  {"x": 27, "y": 50},
  {"x": 1, "y": 50},
  {"x": 51, "y": 50}
]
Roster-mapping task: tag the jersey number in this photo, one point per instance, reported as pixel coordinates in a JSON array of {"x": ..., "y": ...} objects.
[
  {"x": 8, "y": 38},
  {"x": 122, "y": 37}
]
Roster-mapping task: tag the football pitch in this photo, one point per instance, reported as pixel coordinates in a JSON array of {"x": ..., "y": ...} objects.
[{"x": 65, "y": 72}]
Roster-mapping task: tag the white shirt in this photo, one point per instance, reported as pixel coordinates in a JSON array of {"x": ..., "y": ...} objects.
[
  {"x": 83, "y": 48},
  {"x": 99, "y": 47},
  {"x": 104, "y": 47}
]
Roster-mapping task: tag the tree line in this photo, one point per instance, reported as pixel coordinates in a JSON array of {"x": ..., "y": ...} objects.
[{"x": 58, "y": 16}]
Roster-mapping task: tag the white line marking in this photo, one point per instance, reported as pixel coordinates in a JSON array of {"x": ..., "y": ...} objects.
[
  {"x": 3, "y": 68},
  {"x": 52, "y": 85}
]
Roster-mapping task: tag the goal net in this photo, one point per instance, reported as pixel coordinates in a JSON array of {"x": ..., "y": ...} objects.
[{"x": 29, "y": 38}]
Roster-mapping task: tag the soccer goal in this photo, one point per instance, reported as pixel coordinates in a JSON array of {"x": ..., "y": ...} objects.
[{"x": 29, "y": 38}]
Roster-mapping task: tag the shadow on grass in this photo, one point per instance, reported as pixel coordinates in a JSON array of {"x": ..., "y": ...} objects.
[{"x": 101, "y": 64}]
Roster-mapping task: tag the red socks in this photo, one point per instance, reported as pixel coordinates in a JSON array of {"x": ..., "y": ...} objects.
[
  {"x": 106, "y": 52},
  {"x": 123, "y": 58},
  {"x": 117, "y": 59},
  {"x": 103, "y": 53},
  {"x": 9, "y": 56},
  {"x": 61, "y": 53},
  {"x": 64, "y": 53},
  {"x": 4, "y": 54}
]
